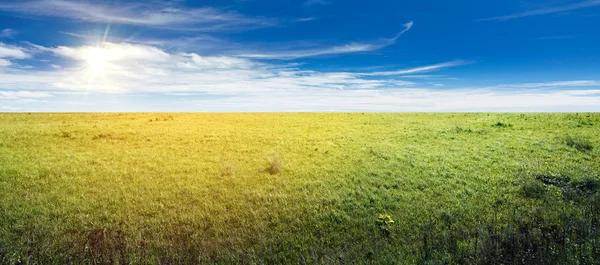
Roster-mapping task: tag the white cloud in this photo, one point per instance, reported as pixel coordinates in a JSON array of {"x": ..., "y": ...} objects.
[
  {"x": 340, "y": 49},
  {"x": 4, "y": 63},
  {"x": 30, "y": 100},
  {"x": 575, "y": 83},
  {"x": 407, "y": 27},
  {"x": 113, "y": 52},
  {"x": 125, "y": 68},
  {"x": 9, "y": 51},
  {"x": 159, "y": 14},
  {"x": 242, "y": 84},
  {"x": 410, "y": 99},
  {"x": 547, "y": 10}
]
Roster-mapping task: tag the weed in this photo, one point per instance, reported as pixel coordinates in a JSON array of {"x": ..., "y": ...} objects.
[
  {"x": 460, "y": 130},
  {"x": 384, "y": 222},
  {"x": 502, "y": 125}
]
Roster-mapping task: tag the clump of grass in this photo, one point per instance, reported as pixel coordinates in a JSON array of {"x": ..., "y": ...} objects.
[
  {"x": 579, "y": 143},
  {"x": 164, "y": 118},
  {"x": 66, "y": 135},
  {"x": 274, "y": 166},
  {"x": 227, "y": 170},
  {"x": 580, "y": 123},
  {"x": 502, "y": 125},
  {"x": 533, "y": 189},
  {"x": 107, "y": 136}
]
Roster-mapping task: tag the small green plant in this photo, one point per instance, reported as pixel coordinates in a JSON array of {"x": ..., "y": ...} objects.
[
  {"x": 579, "y": 143},
  {"x": 384, "y": 222},
  {"x": 460, "y": 130},
  {"x": 502, "y": 125}
]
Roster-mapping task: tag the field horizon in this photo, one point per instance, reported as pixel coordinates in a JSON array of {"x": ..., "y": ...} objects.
[{"x": 299, "y": 188}]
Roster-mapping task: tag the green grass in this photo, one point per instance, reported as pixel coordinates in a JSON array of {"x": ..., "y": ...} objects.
[{"x": 300, "y": 188}]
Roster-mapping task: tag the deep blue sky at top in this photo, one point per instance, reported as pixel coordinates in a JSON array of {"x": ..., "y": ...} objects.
[{"x": 561, "y": 45}]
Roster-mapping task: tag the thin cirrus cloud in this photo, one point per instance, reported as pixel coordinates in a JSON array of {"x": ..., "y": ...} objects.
[
  {"x": 157, "y": 14},
  {"x": 340, "y": 49},
  {"x": 421, "y": 69},
  {"x": 304, "y": 19},
  {"x": 7, "y": 33},
  {"x": 23, "y": 94},
  {"x": 546, "y": 10},
  {"x": 316, "y": 2}
]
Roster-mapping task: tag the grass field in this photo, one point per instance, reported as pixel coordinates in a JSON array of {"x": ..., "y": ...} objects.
[{"x": 300, "y": 188}]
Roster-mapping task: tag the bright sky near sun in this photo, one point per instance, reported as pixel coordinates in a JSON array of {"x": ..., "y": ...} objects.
[{"x": 305, "y": 55}]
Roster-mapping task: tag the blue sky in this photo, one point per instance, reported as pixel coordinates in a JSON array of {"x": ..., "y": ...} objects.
[{"x": 304, "y": 55}]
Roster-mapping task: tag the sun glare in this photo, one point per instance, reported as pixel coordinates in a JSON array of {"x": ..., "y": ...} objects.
[{"x": 97, "y": 59}]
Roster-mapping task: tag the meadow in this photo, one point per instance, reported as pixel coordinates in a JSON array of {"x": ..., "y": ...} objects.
[{"x": 300, "y": 188}]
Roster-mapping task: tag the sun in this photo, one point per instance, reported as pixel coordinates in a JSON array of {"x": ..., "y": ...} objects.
[{"x": 96, "y": 60}]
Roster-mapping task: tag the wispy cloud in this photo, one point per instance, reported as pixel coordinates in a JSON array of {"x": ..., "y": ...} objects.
[
  {"x": 546, "y": 10},
  {"x": 23, "y": 94},
  {"x": 8, "y": 108},
  {"x": 340, "y": 49},
  {"x": 224, "y": 83},
  {"x": 9, "y": 51},
  {"x": 316, "y": 2},
  {"x": 304, "y": 19},
  {"x": 158, "y": 14},
  {"x": 421, "y": 69},
  {"x": 7, "y": 33},
  {"x": 554, "y": 84},
  {"x": 408, "y": 99}
]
